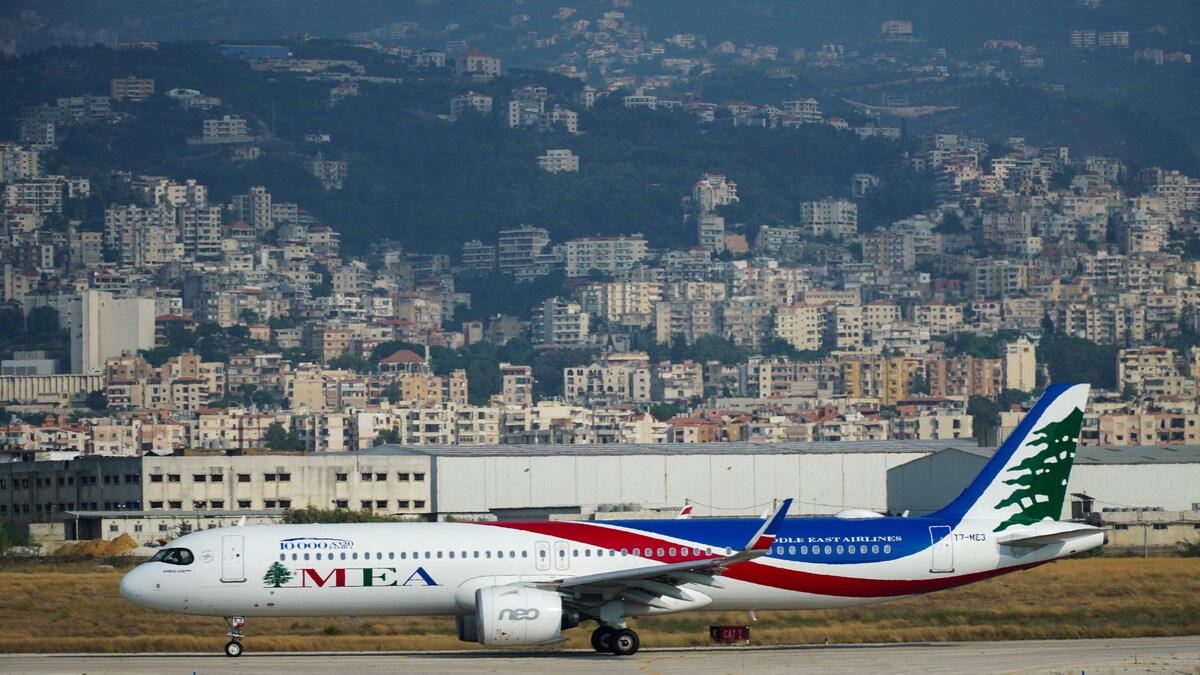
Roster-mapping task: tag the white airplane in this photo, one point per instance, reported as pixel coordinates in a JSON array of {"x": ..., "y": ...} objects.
[{"x": 523, "y": 583}]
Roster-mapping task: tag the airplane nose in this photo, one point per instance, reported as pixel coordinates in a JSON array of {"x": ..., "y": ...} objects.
[{"x": 130, "y": 588}]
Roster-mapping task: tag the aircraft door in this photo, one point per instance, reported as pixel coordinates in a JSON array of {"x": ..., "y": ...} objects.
[
  {"x": 942, "y": 542},
  {"x": 233, "y": 563},
  {"x": 562, "y": 555},
  {"x": 541, "y": 553}
]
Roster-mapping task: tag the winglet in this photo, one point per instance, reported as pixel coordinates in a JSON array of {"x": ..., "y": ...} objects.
[
  {"x": 760, "y": 544},
  {"x": 765, "y": 537},
  {"x": 684, "y": 513}
]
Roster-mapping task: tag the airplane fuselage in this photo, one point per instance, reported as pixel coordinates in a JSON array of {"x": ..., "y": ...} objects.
[{"x": 435, "y": 568}]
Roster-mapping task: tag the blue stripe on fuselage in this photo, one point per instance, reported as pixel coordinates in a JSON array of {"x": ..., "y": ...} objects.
[{"x": 902, "y": 536}]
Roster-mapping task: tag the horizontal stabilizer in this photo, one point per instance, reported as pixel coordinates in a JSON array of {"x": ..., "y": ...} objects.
[{"x": 1019, "y": 540}]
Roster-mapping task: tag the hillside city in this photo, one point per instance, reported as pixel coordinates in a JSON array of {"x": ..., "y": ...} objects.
[{"x": 171, "y": 320}]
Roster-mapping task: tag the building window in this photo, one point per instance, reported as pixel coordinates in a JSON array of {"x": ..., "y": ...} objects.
[
  {"x": 1160, "y": 526},
  {"x": 342, "y": 477},
  {"x": 243, "y": 478},
  {"x": 1120, "y": 526},
  {"x": 367, "y": 475},
  {"x": 218, "y": 504},
  {"x": 366, "y": 503},
  {"x": 418, "y": 503},
  {"x": 285, "y": 503},
  {"x": 217, "y": 478},
  {"x": 381, "y": 476},
  {"x": 199, "y": 478},
  {"x": 418, "y": 477},
  {"x": 403, "y": 503},
  {"x": 402, "y": 476},
  {"x": 243, "y": 503},
  {"x": 172, "y": 478},
  {"x": 156, "y": 505},
  {"x": 269, "y": 503},
  {"x": 175, "y": 505},
  {"x": 163, "y": 527},
  {"x": 132, "y": 478},
  {"x": 137, "y": 527},
  {"x": 284, "y": 477},
  {"x": 381, "y": 503},
  {"x": 156, "y": 478},
  {"x": 269, "y": 477},
  {"x": 341, "y": 503}
]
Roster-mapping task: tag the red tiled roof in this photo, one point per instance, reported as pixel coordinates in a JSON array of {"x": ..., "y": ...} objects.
[{"x": 403, "y": 356}]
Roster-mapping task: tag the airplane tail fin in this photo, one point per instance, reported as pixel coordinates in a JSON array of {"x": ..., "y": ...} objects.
[{"x": 1026, "y": 480}]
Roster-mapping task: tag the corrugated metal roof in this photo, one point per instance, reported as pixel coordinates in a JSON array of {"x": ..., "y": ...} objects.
[
  {"x": 1119, "y": 454},
  {"x": 622, "y": 449}
]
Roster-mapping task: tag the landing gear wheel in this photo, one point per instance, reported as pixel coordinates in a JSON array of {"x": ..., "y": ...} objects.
[
  {"x": 602, "y": 638},
  {"x": 234, "y": 646},
  {"x": 624, "y": 642}
]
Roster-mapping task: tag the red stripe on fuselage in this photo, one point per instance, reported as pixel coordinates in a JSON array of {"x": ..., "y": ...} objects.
[
  {"x": 757, "y": 572},
  {"x": 610, "y": 538},
  {"x": 854, "y": 587}
]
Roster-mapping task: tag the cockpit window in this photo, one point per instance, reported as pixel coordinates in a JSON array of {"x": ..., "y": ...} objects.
[{"x": 173, "y": 556}]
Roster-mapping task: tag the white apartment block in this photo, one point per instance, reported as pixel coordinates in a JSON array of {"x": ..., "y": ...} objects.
[
  {"x": 43, "y": 195},
  {"x": 557, "y": 321},
  {"x": 939, "y": 318},
  {"x": 618, "y": 377},
  {"x": 18, "y": 163},
  {"x": 629, "y": 302},
  {"x": 1020, "y": 365},
  {"x": 254, "y": 208},
  {"x": 833, "y": 217},
  {"x": 710, "y": 230},
  {"x": 132, "y": 88},
  {"x": 801, "y": 325},
  {"x": 477, "y": 64},
  {"x": 604, "y": 254},
  {"x": 227, "y": 127},
  {"x": 480, "y": 103},
  {"x": 521, "y": 247},
  {"x": 102, "y": 326},
  {"x": 808, "y": 110},
  {"x": 559, "y": 161}
]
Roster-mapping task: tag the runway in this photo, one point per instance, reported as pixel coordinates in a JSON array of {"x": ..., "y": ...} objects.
[{"x": 1142, "y": 655}]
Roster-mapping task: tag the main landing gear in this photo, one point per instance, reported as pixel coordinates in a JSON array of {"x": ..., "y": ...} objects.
[
  {"x": 619, "y": 641},
  {"x": 234, "y": 646}
]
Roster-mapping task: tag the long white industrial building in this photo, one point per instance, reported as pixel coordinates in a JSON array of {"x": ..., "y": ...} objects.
[{"x": 150, "y": 496}]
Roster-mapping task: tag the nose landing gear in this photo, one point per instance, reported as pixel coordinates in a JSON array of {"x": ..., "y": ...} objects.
[{"x": 234, "y": 646}]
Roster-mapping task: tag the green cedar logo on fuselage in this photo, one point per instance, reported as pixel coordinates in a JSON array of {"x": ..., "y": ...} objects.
[{"x": 1042, "y": 483}]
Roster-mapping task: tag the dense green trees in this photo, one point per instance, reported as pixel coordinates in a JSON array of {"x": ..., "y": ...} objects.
[{"x": 1073, "y": 359}]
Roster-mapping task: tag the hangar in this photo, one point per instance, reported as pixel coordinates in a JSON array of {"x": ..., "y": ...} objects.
[{"x": 1148, "y": 495}]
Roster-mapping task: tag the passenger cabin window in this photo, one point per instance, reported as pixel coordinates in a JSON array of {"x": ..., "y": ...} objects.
[{"x": 173, "y": 556}]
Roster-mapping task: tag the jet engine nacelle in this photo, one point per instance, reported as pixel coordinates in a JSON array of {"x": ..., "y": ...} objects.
[{"x": 517, "y": 615}]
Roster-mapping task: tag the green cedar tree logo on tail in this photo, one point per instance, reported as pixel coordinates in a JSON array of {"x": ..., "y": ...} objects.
[
  {"x": 277, "y": 575},
  {"x": 1045, "y": 474}
]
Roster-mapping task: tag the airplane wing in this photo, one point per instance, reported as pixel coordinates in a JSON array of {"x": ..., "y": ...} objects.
[{"x": 650, "y": 583}]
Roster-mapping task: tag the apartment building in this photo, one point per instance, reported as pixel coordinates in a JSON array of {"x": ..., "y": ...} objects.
[{"x": 607, "y": 255}]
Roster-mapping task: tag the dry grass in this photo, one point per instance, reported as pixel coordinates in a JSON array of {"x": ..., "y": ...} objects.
[{"x": 72, "y": 607}]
